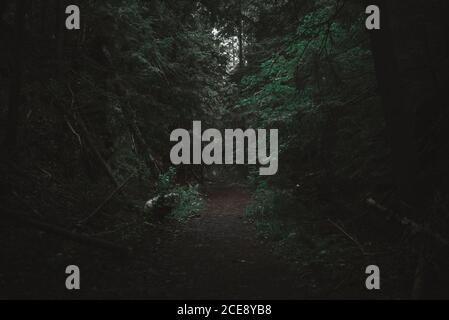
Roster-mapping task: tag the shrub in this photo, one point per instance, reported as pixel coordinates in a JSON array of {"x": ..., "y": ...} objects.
[
  {"x": 184, "y": 200},
  {"x": 189, "y": 203}
]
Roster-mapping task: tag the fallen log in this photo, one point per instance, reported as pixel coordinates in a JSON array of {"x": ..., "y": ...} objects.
[
  {"x": 77, "y": 237},
  {"x": 414, "y": 226}
]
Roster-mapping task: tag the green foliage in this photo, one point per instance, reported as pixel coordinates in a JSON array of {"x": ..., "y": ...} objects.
[
  {"x": 185, "y": 200},
  {"x": 315, "y": 82},
  {"x": 274, "y": 211},
  {"x": 166, "y": 181},
  {"x": 305, "y": 82},
  {"x": 270, "y": 202},
  {"x": 289, "y": 82},
  {"x": 190, "y": 202},
  {"x": 145, "y": 69},
  {"x": 321, "y": 257}
]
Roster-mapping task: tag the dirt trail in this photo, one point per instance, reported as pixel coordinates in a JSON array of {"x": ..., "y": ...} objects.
[
  {"x": 212, "y": 256},
  {"x": 218, "y": 255}
]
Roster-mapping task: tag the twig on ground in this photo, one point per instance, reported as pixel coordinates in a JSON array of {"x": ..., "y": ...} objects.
[
  {"x": 106, "y": 201},
  {"x": 359, "y": 245}
]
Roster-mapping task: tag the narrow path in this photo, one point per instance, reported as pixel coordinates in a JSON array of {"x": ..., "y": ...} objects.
[
  {"x": 215, "y": 255},
  {"x": 218, "y": 255}
]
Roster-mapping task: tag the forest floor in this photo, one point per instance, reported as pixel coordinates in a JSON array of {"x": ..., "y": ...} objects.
[
  {"x": 219, "y": 255},
  {"x": 216, "y": 254}
]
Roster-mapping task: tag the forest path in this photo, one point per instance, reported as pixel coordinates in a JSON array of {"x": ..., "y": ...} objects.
[
  {"x": 215, "y": 255},
  {"x": 219, "y": 255}
]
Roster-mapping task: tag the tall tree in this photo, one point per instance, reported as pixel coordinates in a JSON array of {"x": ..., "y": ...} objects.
[
  {"x": 16, "y": 78},
  {"x": 399, "y": 117}
]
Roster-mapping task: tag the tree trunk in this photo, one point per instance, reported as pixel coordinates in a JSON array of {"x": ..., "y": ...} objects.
[
  {"x": 16, "y": 79},
  {"x": 399, "y": 117},
  {"x": 60, "y": 38},
  {"x": 3, "y": 6},
  {"x": 406, "y": 89}
]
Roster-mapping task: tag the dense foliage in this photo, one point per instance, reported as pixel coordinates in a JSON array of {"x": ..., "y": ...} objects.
[{"x": 85, "y": 112}]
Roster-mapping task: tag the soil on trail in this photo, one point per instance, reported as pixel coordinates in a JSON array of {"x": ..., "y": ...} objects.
[
  {"x": 215, "y": 255},
  {"x": 218, "y": 255}
]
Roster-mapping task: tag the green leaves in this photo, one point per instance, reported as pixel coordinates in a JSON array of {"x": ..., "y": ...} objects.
[
  {"x": 188, "y": 198},
  {"x": 190, "y": 202}
]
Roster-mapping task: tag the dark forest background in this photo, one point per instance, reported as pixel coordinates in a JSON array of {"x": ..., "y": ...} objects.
[{"x": 86, "y": 117}]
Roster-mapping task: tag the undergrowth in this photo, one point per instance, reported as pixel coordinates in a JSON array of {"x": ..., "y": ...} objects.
[
  {"x": 322, "y": 254},
  {"x": 188, "y": 200}
]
